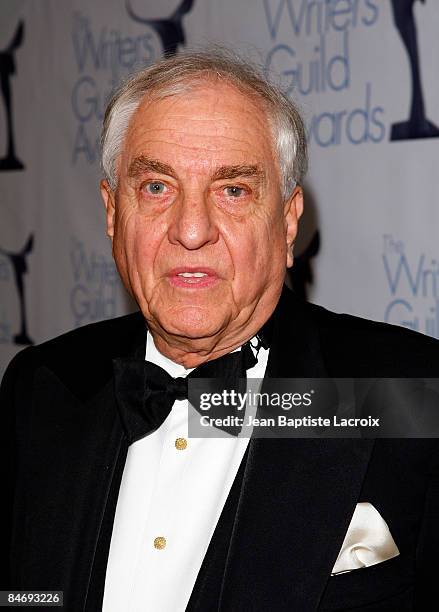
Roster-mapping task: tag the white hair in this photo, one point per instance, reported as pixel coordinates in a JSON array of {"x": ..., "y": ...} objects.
[{"x": 180, "y": 73}]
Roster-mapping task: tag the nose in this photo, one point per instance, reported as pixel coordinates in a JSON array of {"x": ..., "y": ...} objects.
[{"x": 192, "y": 225}]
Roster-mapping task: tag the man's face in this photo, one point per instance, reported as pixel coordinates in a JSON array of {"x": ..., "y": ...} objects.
[{"x": 199, "y": 228}]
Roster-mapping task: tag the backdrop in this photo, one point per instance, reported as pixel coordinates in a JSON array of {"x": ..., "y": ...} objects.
[{"x": 365, "y": 73}]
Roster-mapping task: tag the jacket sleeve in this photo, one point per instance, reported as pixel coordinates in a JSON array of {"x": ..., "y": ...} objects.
[{"x": 11, "y": 384}]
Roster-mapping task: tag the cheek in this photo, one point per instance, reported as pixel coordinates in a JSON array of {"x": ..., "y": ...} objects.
[
  {"x": 257, "y": 253},
  {"x": 259, "y": 242},
  {"x": 138, "y": 241},
  {"x": 147, "y": 243}
]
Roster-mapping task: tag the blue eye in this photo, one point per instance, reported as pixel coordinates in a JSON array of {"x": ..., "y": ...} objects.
[
  {"x": 155, "y": 187},
  {"x": 234, "y": 191}
]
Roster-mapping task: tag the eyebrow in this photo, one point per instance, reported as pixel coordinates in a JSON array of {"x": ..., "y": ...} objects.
[
  {"x": 143, "y": 164},
  {"x": 232, "y": 172}
]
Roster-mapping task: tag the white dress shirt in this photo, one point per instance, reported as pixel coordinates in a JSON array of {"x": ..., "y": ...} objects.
[{"x": 171, "y": 496}]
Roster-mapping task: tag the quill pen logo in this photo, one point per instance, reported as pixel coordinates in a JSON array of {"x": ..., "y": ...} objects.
[
  {"x": 19, "y": 266},
  {"x": 7, "y": 69},
  {"x": 170, "y": 29},
  {"x": 417, "y": 125}
]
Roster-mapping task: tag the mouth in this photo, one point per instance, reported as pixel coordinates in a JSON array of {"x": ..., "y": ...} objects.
[{"x": 192, "y": 278}]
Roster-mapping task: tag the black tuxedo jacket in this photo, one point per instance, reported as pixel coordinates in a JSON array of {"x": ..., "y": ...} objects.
[{"x": 64, "y": 448}]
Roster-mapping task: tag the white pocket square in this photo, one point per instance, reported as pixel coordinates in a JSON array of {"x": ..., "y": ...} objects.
[{"x": 368, "y": 541}]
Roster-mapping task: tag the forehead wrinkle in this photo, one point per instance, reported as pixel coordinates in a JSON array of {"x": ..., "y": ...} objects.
[
  {"x": 184, "y": 123},
  {"x": 172, "y": 133},
  {"x": 211, "y": 142},
  {"x": 243, "y": 150},
  {"x": 235, "y": 146}
]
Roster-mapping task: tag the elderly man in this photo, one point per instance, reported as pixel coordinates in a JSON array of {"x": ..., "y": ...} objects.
[{"x": 109, "y": 498}]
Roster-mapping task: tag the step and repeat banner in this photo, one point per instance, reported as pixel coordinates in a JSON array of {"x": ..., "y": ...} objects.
[{"x": 366, "y": 76}]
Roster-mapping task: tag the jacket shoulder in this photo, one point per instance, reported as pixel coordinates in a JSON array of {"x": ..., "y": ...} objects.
[
  {"x": 83, "y": 352},
  {"x": 396, "y": 350},
  {"x": 102, "y": 335}
]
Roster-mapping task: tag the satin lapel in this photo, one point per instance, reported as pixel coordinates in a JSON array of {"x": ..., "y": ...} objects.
[
  {"x": 76, "y": 438},
  {"x": 71, "y": 461},
  {"x": 298, "y": 495}
]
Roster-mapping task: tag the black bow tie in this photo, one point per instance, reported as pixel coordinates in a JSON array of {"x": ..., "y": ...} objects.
[{"x": 145, "y": 392}]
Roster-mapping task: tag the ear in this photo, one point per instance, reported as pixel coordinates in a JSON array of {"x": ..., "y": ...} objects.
[
  {"x": 108, "y": 197},
  {"x": 293, "y": 209}
]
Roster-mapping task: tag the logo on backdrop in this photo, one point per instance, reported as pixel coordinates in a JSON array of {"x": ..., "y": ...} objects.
[
  {"x": 313, "y": 51},
  {"x": 170, "y": 29},
  {"x": 94, "y": 294},
  {"x": 104, "y": 55},
  {"x": 18, "y": 262},
  {"x": 7, "y": 68},
  {"x": 413, "y": 284},
  {"x": 417, "y": 125}
]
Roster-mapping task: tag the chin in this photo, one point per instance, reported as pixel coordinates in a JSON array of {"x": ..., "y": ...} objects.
[{"x": 193, "y": 322}]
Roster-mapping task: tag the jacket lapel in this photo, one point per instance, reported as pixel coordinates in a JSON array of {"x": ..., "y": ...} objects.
[
  {"x": 76, "y": 440},
  {"x": 298, "y": 495}
]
